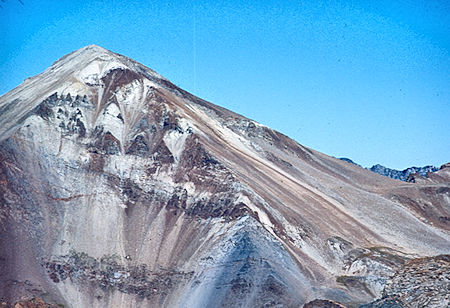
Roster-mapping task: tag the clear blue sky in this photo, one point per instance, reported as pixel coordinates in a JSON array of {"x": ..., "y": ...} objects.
[{"x": 368, "y": 80}]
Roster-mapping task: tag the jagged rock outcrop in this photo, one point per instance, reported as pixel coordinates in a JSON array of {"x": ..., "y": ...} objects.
[
  {"x": 404, "y": 174},
  {"x": 348, "y": 160},
  {"x": 118, "y": 189},
  {"x": 408, "y": 175},
  {"x": 440, "y": 176},
  {"x": 422, "y": 282}
]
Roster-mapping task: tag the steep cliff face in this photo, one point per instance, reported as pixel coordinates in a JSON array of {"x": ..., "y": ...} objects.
[{"x": 119, "y": 189}]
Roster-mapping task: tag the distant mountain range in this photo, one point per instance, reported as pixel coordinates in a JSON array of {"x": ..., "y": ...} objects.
[{"x": 401, "y": 175}]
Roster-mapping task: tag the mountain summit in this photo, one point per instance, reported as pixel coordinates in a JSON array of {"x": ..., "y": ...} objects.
[
  {"x": 119, "y": 189},
  {"x": 82, "y": 72}
]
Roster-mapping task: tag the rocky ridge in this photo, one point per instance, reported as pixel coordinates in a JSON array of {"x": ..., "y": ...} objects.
[{"x": 406, "y": 175}]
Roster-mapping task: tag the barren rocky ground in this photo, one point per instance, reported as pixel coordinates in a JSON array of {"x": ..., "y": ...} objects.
[{"x": 119, "y": 189}]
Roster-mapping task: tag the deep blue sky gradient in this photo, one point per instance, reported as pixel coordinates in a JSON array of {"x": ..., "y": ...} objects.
[{"x": 368, "y": 80}]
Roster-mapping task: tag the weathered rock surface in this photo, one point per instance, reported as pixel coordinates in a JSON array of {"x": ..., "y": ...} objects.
[
  {"x": 440, "y": 176},
  {"x": 423, "y": 282},
  {"x": 411, "y": 174},
  {"x": 323, "y": 303},
  {"x": 386, "y": 302},
  {"x": 30, "y": 303},
  {"x": 403, "y": 175},
  {"x": 118, "y": 189}
]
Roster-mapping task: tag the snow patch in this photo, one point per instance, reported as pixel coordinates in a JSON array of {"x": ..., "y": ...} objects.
[
  {"x": 73, "y": 88},
  {"x": 111, "y": 122},
  {"x": 175, "y": 139},
  {"x": 294, "y": 234},
  {"x": 99, "y": 68},
  {"x": 190, "y": 187},
  {"x": 263, "y": 217}
]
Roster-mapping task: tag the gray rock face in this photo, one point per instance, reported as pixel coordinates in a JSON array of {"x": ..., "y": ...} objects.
[
  {"x": 404, "y": 174},
  {"x": 421, "y": 282},
  {"x": 118, "y": 189},
  {"x": 430, "y": 278},
  {"x": 348, "y": 160},
  {"x": 386, "y": 302}
]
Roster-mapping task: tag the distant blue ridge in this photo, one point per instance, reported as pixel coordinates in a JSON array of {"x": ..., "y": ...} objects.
[{"x": 396, "y": 174}]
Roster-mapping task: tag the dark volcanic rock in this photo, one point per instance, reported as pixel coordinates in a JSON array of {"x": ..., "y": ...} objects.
[
  {"x": 407, "y": 175},
  {"x": 323, "y": 303},
  {"x": 404, "y": 174},
  {"x": 348, "y": 160}
]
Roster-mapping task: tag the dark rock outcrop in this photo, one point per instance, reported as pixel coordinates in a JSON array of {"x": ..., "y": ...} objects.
[
  {"x": 404, "y": 174},
  {"x": 323, "y": 303},
  {"x": 407, "y": 175}
]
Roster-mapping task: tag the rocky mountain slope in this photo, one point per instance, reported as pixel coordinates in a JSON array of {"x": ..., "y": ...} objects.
[
  {"x": 118, "y": 189},
  {"x": 401, "y": 175}
]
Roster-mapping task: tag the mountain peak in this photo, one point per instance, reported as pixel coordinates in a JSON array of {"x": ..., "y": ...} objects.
[
  {"x": 95, "y": 47},
  {"x": 82, "y": 72},
  {"x": 118, "y": 188},
  {"x": 92, "y": 62},
  {"x": 91, "y": 49}
]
